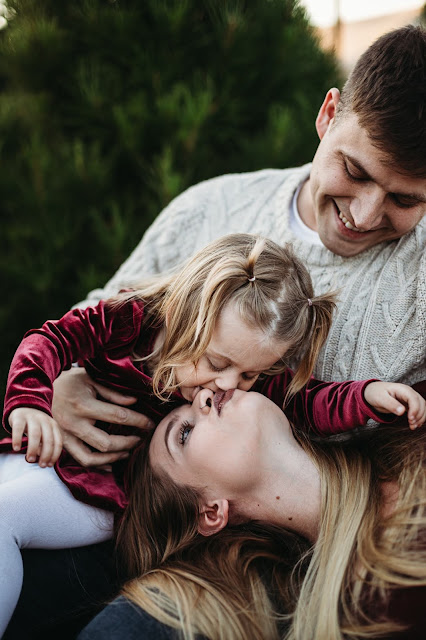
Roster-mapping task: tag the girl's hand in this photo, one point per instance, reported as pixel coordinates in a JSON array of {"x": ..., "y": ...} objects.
[
  {"x": 393, "y": 397},
  {"x": 44, "y": 435}
]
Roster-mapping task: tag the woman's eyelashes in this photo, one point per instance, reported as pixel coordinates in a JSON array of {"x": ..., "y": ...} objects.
[{"x": 184, "y": 432}]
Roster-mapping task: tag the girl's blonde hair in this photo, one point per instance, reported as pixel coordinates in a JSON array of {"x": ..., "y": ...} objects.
[
  {"x": 214, "y": 586},
  {"x": 270, "y": 287}
]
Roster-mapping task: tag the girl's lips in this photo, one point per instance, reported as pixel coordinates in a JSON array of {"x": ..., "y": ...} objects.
[{"x": 221, "y": 398}]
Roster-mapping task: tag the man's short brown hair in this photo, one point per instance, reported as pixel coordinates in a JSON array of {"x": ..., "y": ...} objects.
[{"x": 387, "y": 91}]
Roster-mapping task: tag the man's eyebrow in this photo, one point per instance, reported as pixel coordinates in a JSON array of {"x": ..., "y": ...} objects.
[
  {"x": 414, "y": 196},
  {"x": 169, "y": 427}
]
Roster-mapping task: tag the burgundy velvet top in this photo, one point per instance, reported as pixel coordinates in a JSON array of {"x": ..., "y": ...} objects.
[{"x": 103, "y": 339}]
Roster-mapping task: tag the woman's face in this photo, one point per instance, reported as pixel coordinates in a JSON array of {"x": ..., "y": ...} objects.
[
  {"x": 223, "y": 443},
  {"x": 236, "y": 355}
]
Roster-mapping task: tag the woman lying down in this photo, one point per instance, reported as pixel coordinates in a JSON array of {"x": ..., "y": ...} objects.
[{"x": 240, "y": 528}]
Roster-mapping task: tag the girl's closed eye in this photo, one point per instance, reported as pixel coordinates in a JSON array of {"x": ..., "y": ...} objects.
[
  {"x": 250, "y": 376},
  {"x": 184, "y": 432},
  {"x": 215, "y": 367}
]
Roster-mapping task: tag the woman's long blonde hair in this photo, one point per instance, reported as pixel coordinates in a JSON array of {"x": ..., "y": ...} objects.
[
  {"x": 211, "y": 586},
  {"x": 214, "y": 586},
  {"x": 269, "y": 285}
]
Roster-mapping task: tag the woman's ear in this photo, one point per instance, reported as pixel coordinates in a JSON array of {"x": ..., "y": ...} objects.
[
  {"x": 213, "y": 517},
  {"x": 327, "y": 112}
]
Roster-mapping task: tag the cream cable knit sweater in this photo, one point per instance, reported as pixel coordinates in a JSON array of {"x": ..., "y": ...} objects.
[{"x": 379, "y": 329}]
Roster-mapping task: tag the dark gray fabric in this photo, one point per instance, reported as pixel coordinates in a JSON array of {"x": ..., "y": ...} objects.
[{"x": 124, "y": 620}]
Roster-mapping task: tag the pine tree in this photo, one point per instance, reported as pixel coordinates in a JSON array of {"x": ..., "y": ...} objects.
[{"x": 109, "y": 109}]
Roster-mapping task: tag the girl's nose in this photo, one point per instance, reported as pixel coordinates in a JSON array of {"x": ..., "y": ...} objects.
[
  {"x": 234, "y": 381},
  {"x": 228, "y": 380}
]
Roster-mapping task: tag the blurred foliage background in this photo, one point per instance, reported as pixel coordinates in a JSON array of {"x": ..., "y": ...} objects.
[{"x": 109, "y": 109}]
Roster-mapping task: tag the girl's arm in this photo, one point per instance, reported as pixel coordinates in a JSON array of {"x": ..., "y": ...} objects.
[
  {"x": 45, "y": 352},
  {"x": 334, "y": 407}
]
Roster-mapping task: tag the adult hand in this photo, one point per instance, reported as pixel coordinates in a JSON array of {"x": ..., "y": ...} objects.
[
  {"x": 393, "y": 397},
  {"x": 76, "y": 408}
]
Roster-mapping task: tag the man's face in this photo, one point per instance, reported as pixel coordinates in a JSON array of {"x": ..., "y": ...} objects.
[{"x": 354, "y": 198}]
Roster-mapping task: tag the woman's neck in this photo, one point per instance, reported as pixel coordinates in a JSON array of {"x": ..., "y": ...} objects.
[{"x": 289, "y": 497}]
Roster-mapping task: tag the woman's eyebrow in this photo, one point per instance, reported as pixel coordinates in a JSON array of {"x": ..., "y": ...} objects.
[{"x": 169, "y": 427}]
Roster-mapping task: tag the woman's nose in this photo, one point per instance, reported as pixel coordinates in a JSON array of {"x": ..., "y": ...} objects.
[{"x": 204, "y": 400}]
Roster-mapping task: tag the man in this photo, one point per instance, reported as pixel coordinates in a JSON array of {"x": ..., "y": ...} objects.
[{"x": 355, "y": 216}]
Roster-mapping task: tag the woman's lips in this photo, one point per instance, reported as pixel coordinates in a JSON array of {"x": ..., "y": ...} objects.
[{"x": 221, "y": 398}]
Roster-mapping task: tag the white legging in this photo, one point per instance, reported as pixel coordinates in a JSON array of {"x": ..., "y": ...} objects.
[{"x": 37, "y": 511}]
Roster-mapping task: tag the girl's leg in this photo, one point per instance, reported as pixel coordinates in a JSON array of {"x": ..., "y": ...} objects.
[{"x": 38, "y": 511}]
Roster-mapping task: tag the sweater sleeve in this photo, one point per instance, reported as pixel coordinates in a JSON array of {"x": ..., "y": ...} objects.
[
  {"x": 324, "y": 408},
  {"x": 45, "y": 352}
]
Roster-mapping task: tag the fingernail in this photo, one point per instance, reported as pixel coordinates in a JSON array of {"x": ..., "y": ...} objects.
[
  {"x": 16, "y": 447},
  {"x": 30, "y": 459}
]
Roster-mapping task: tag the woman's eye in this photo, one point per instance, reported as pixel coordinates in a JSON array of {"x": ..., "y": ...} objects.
[
  {"x": 247, "y": 376},
  {"x": 184, "y": 432}
]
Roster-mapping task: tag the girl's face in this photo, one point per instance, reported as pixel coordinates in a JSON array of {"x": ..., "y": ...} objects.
[
  {"x": 225, "y": 443},
  {"x": 235, "y": 357}
]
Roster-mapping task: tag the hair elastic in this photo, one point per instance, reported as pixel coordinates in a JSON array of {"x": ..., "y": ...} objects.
[
  {"x": 309, "y": 302},
  {"x": 252, "y": 279}
]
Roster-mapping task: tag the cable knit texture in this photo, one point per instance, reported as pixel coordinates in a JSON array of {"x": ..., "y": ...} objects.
[{"x": 379, "y": 329}]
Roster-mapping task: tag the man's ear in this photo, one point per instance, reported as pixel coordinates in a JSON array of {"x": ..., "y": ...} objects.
[
  {"x": 213, "y": 517},
  {"x": 327, "y": 112}
]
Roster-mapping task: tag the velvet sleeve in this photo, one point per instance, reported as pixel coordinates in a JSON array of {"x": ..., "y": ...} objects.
[
  {"x": 324, "y": 408},
  {"x": 44, "y": 353}
]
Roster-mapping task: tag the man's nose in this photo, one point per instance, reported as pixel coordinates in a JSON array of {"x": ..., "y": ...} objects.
[{"x": 367, "y": 209}]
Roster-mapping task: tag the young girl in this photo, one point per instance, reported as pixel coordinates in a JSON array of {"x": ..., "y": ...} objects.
[{"x": 232, "y": 312}]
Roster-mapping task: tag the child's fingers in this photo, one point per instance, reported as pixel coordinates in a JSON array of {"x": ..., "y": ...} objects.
[
  {"x": 57, "y": 446},
  {"x": 51, "y": 442},
  {"x": 394, "y": 405},
  {"x": 34, "y": 439},
  {"x": 416, "y": 405},
  {"x": 417, "y": 412},
  {"x": 18, "y": 425}
]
